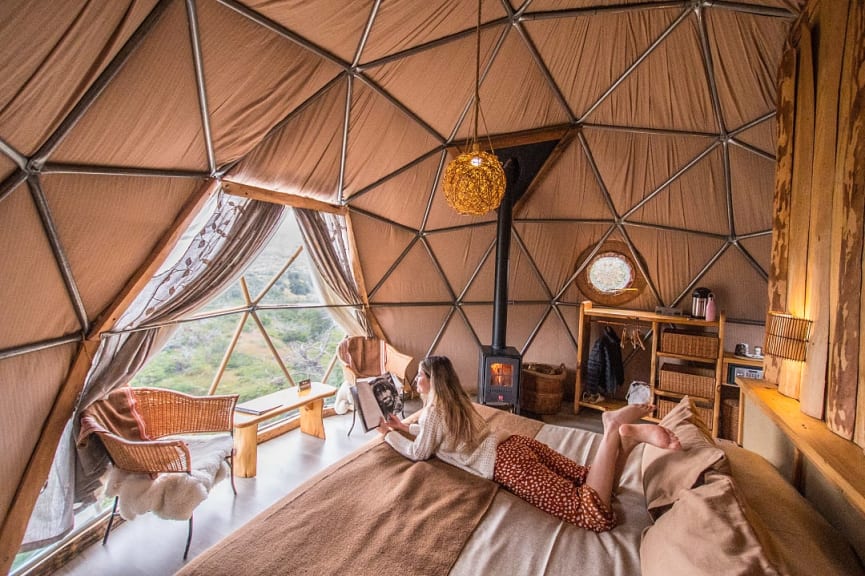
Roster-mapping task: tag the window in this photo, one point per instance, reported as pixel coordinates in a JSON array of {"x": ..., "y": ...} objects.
[
  {"x": 259, "y": 335},
  {"x": 610, "y": 277}
]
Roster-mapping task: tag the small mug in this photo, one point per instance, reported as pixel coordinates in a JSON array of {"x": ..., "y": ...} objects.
[
  {"x": 741, "y": 349},
  {"x": 758, "y": 351}
]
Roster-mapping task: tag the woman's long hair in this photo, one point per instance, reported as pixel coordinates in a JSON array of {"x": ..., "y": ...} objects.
[{"x": 462, "y": 421}]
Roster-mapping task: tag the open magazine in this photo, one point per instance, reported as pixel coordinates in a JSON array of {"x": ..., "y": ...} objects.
[{"x": 377, "y": 397}]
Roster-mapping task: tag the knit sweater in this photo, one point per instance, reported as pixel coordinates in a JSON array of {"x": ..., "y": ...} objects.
[{"x": 431, "y": 439}]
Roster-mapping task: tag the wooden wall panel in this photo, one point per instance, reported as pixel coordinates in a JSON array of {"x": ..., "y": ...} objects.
[
  {"x": 819, "y": 281},
  {"x": 847, "y": 346}
]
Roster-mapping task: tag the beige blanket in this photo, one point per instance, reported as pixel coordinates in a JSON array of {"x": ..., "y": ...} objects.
[{"x": 375, "y": 513}]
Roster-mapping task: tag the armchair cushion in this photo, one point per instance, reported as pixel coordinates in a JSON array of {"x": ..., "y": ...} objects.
[{"x": 173, "y": 496}]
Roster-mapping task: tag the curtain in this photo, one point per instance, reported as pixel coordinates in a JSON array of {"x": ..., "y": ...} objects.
[
  {"x": 324, "y": 236},
  {"x": 216, "y": 256}
]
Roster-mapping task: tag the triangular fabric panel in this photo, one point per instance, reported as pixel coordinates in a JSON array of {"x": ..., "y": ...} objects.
[
  {"x": 426, "y": 20},
  {"x": 746, "y": 88},
  {"x": 733, "y": 264},
  {"x": 523, "y": 283},
  {"x": 27, "y": 261},
  {"x": 425, "y": 323},
  {"x": 464, "y": 358},
  {"x": 415, "y": 279},
  {"x": 762, "y": 136},
  {"x": 692, "y": 201},
  {"x": 459, "y": 252},
  {"x": 752, "y": 193},
  {"x": 654, "y": 95},
  {"x": 441, "y": 90},
  {"x": 404, "y": 197},
  {"x": 120, "y": 226},
  {"x": 337, "y": 27},
  {"x": 296, "y": 159},
  {"x": 381, "y": 139},
  {"x": 572, "y": 47},
  {"x": 378, "y": 246},
  {"x": 231, "y": 65},
  {"x": 661, "y": 249},
  {"x": 760, "y": 248},
  {"x": 118, "y": 130},
  {"x": 521, "y": 321},
  {"x": 29, "y": 384},
  {"x": 47, "y": 78},
  {"x": 553, "y": 344},
  {"x": 568, "y": 189},
  {"x": 633, "y": 164},
  {"x": 529, "y": 101}
]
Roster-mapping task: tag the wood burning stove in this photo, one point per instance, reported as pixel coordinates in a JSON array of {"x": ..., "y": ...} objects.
[
  {"x": 500, "y": 377},
  {"x": 500, "y": 366}
]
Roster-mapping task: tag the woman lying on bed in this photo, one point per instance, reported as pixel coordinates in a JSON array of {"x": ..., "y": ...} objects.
[{"x": 451, "y": 429}]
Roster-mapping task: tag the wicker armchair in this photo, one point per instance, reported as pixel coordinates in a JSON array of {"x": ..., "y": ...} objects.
[
  {"x": 133, "y": 423},
  {"x": 368, "y": 357}
]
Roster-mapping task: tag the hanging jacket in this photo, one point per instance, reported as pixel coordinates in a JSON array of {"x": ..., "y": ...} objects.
[{"x": 605, "y": 371}]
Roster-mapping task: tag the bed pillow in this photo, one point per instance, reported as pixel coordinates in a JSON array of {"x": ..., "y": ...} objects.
[
  {"x": 706, "y": 531},
  {"x": 666, "y": 473}
]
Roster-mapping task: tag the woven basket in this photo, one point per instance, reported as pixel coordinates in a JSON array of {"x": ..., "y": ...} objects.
[
  {"x": 689, "y": 344},
  {"x": 729, "y": 426},
  {"x": 542, "y": 388},
  {"x": 704, "y": 414},
  {"x": 687, "y": 380}
]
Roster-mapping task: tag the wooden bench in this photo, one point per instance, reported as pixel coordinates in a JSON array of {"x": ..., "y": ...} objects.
[{"x": 248, "y": 415}]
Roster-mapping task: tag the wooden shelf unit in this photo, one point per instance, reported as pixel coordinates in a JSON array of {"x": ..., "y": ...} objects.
[{"x": 590, "y": 314}]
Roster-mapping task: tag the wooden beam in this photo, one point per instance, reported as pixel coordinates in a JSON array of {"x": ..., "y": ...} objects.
[
  {"x": 255, "y": 193},
  {"x": 21, "y": 507}
]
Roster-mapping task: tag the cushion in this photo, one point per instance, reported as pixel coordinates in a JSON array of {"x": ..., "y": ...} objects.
[
  {"x": 705, "y": 532},
  {"x": 666, "y": 473}
]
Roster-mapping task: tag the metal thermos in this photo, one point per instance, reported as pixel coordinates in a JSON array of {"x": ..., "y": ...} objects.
[{"x": 699, "y": 299}]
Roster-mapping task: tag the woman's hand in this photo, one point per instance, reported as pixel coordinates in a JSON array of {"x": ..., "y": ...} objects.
[
  {"x": 383, "y": 427},
  {"x": 394, "y": 423}
]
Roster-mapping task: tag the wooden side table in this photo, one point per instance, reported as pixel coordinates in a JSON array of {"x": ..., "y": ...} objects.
[{"x": 248, "y": 415}]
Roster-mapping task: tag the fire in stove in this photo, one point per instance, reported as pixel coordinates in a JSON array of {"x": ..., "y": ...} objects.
[{"x": 499, "y": 377}]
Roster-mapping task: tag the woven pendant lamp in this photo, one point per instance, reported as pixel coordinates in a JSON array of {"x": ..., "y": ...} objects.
[{"x": 474, "y": 182}]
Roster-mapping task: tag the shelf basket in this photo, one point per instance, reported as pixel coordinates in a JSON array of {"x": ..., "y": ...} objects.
[
  {"x": 689, "y": 343},
  {"x": 704, "y": 414},
  {"x": 542, "y": 388},
  {"x": 730, "y": 419},
  {"x": 688, "y": 380}
]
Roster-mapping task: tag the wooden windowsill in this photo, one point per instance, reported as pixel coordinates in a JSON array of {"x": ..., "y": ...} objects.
[{"x": 841, "y": 461}]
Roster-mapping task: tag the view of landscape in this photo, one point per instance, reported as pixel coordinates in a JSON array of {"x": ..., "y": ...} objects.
[{"x": 299, "y": 327}]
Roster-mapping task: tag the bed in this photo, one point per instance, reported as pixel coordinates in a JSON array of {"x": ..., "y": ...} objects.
[{"x": 709, "y": 509}]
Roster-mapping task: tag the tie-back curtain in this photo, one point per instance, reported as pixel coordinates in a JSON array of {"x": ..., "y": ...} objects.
[{"x": 216, "y": 257}]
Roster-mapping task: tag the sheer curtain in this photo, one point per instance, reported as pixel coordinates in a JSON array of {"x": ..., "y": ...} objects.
[
  {"x": 236, "y": 231},
  {"x": 325, "y": 238}
]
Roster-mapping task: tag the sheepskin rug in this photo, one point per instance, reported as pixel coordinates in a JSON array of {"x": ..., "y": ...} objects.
[{"x": 173, "y": 496}]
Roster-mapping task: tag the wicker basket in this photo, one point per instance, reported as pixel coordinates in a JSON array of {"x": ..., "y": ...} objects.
[
  {"x": 729, "y": 426},
  {"x": 687, "y": 380},
  {"x": 542, "y": 388},
  {"x": 689, "y": 343},
  {"x": 704, "y": 414}
]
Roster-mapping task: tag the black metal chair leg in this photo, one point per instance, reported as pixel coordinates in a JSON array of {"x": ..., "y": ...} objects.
[
  {"x": 354, "y": 410},
  {"x": 110, "y": 520},
  {"x": 231, "y": 469},
  {"x": 188, "y": 539}
]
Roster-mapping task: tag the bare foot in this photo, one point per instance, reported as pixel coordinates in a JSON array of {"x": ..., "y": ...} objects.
[
  {"x": 627, "y": 414},
  {"x": 633, "y": 434}
]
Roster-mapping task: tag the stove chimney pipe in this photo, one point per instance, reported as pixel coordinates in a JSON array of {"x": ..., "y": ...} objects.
[{"x": 503, "y": 248}]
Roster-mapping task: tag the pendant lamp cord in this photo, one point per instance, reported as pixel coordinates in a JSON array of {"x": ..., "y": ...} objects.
[{"x": 477, "y": 78}]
